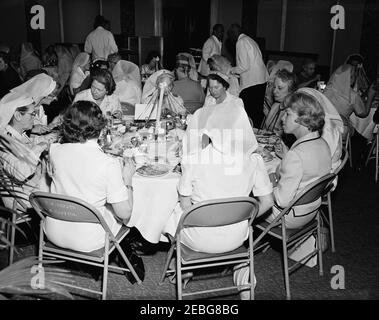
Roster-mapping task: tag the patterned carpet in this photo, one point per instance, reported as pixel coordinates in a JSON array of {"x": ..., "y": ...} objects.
[{"x": 356, "y": 229}]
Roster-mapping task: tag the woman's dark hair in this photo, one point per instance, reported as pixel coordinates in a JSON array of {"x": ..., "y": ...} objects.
[
  {"x": 151, "y": 55},
  {"x": 310, "y": 112},
  {"x": 289, "y": 77},
  {"x": 82, "y": 121},
  {"x": 213, "y": 76},
  {"x": 105, "y": 77}
]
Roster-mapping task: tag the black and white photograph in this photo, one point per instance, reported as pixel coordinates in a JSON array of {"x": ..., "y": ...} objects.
[{"x": 211, "y": 151}]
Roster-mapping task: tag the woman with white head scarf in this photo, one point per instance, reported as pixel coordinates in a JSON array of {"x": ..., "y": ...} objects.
[
  {"x": 128, "y": 82},
  {"x": 150, "y": 94},
  {"x": 80, "y": 71},
  {"x": 220, "y": 164},
  {"x": 221, "y": 64},
  {"x": 17, "y": 111},
  {"x": 42, "y": 89},
  {"x": 28, "y": 60}
]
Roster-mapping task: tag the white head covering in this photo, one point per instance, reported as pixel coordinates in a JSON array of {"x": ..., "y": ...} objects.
[
  {"x": 227, "y": 120},
  {"x": 128, "y": 82},
  {"x": 81, "y": 60},
  {"x": 333, "y": 128},
  {"x": 37, "y": 88},
  {"x": 274, "y": 68},
  {"x": 8, "y": 105},
  {"x": 126, "y": 70},
  {"x": 151, "y": 84}
]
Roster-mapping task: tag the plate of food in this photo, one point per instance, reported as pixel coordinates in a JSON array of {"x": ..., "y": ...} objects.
[{"x": 153, "y": 170}]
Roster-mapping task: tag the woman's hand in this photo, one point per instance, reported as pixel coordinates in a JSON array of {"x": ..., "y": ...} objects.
[
  {"x": 40, "y": 129},
  {"x": 128, "y": 171}
]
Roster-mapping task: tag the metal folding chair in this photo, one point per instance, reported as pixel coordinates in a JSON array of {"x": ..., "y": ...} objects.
[
  {"x": 291, "y": 238},
  {"x": 213, "y": 213},
  {"x": 327, "y": 199},
  {"x": 19, "y": 210},
  {"x": 67, "y": 208}
]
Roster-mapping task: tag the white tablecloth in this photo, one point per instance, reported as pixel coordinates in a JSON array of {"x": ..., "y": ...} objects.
[
  {"x": 365, "y": 126},
  {"x": 154, "y": 199}
]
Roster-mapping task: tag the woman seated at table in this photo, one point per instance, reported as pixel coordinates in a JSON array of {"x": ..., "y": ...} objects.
[
  {"x": 152, "y": 65},
  {"x": 189, "y": 90},
  {"x": 222, "y": 64},
  {"x": 171, "y": 104},
  {"x": 219, "y": 104},
  {"x": 43, "y": 90},
  {"x": 17, "y": 112},
  {"x": 333, "y": 128},
  {"x": 80, "y": 71},
  {"x": 79, "y": 168},
  {"x": 284, "y": 84},
  {"x": 307, "y": 160},
  {"x": 128, "y": 82},
  {"x": 223, "y": 166},
  {"x": 102, "y": 92},
  {"x": 343, "y": 93},
  {"x": 273, "y": 67}
]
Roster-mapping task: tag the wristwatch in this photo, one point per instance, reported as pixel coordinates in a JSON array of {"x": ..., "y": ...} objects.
[{"x": 130, "y": 187}]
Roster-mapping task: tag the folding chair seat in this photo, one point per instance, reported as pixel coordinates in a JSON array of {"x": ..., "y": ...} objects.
[
  {"x": 291, "y": 238},
  {"x": 68, "y": 208},
  {"x": 213, "y": 213},
  {"x": 374, "y": 152},
  {"x": 327, "y": 200},
  {"x": 20, "y": 212}
]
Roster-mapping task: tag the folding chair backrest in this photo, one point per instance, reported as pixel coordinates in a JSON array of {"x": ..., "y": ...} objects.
[
  {"x": 8, "y": 190},
  {"x": 313, "y": 191},
  {"x": 219, "y": 212},
  {"x": 64, "y": 208},
  {"x": 345, "y": 157}
]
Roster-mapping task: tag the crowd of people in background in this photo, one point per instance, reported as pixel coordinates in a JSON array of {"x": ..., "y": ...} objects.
[{"x": 75, "y": 87}]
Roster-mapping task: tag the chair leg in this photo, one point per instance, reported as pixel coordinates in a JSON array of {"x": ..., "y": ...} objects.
[
  {"x": 12, "y": 239},
  {"x": 252, "y": 276},
  {"x": 319, "y": 248},
  {"x": 331, "y": 226},
  {"x": 179, "y": 271},
  {"x": 350, "y": 153},
  {"x": 370, "y": 152},
  {"x": 105, "y": 270},
  {"x": 169, "y": 257},
  {"x": 285, "y": 263},
  {"x": 126, "y": 260}
]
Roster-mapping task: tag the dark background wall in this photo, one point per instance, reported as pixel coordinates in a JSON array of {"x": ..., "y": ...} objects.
[{"x": 308, "y": 23}]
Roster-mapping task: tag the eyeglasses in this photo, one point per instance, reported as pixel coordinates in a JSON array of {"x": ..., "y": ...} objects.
[{"x": 32, "y": 114}]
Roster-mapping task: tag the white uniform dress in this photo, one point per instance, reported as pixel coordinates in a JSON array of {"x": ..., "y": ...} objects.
[{"x": 84, "y": 171}]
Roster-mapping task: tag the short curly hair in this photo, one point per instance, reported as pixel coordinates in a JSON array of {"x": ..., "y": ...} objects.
[
  {"x": 310, "y": 112},
  {"x": 82, "y": 121},
  {"x": 105, "y": 77},
  {"x": 289, "y": 77}
]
